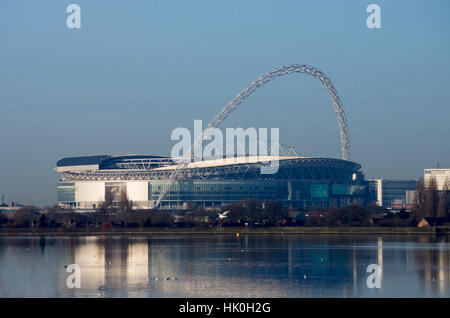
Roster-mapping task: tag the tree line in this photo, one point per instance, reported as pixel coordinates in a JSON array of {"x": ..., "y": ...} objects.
[{"x": 431, "y": 202}]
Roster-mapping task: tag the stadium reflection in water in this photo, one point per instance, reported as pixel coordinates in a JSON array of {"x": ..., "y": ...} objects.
[{"x": 225, "y": 266}]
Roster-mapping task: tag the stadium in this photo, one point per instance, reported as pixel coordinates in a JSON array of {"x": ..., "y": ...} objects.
[
  {"x": 300, "y": 182},
  {"x": 156, "y": 181}
]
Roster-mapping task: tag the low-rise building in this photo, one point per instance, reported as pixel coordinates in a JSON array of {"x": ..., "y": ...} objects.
[{"x": 392, "y": 194}]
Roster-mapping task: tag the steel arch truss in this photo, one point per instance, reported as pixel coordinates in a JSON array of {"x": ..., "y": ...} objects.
[{"x": 257, "y": 84}]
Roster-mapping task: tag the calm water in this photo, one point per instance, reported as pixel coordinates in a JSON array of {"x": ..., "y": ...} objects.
[{"x": 225, "y": 266}]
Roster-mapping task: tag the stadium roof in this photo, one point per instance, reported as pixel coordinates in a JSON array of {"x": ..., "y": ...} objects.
[
  {"x": 146, "y": 167},
  {"x": 98, "y": 159},
  {"x": 82, "y": 161},
  {"x": 232, "y": 161}
]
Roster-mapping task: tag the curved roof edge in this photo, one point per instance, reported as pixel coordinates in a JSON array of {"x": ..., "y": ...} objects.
[
  {"x": 82, "y": 161},
  {"x": 98, "y": 159}
]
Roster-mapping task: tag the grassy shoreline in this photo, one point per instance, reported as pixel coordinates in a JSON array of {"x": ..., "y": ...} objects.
[{"x": 228, "y": 230}]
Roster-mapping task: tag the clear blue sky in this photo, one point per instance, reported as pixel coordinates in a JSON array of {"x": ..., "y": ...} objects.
[{"x": 138, "y": 69}]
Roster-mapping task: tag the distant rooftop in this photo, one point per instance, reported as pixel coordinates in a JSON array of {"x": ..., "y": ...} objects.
[
  {"x": 81, "y": 161},
  {"x": 98, "y": 159}
]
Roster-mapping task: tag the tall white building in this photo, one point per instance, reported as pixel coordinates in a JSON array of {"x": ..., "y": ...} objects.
[{"x": 440, "y": 175}]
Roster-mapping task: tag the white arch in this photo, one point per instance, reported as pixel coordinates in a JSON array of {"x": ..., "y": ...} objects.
[{"x": 254, "y": 86}]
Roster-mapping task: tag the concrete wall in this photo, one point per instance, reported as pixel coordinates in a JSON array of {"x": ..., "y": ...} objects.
[
  {"x": 90, "y": 191},
  {"x": 88, "y": 194},
  {"x": 137, "y": 190}
]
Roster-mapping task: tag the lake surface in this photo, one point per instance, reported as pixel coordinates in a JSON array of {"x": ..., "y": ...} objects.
[{"x": 225, "y": 266}]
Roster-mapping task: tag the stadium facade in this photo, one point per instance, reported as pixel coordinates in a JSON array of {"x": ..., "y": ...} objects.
[{"x": 301, "y": 182}]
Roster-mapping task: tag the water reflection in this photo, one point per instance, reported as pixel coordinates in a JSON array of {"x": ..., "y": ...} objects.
[
  {"x": 434, "y": 269},
  {"x": 225, "y": 266},
  {"x": 380, "y": 257}
]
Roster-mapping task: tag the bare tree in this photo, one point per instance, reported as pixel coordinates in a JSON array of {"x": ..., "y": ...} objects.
[
  {"x": 419, "y": 208},
  {"x": 106, "y": 206},
  {"x": 443, "y": 200},
  {"x": 125, "y": 204},
  {"x": 26, "y": 216},
  {"x": 104, "y": 210},
  {"x": 431, "y": 198}
]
